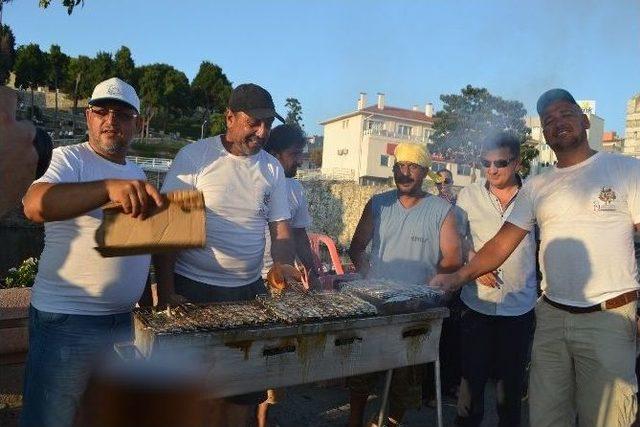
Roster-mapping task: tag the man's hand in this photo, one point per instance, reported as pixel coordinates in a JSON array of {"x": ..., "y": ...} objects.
[
  {"x": 135, "y": 197},
  {"x": 170, "y": 300},
  {"x": 447, "y": 282},
  {"x": 490, "y": 279}
]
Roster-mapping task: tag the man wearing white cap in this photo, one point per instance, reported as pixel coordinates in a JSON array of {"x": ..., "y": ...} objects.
[
  {"x": 81, "y": 303},
  {"x": 413, "y": 236}
]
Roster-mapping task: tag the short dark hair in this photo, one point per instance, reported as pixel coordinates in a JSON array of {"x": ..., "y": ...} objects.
[
  {"x": 284, "y": 136},
  {"x": 502, "y": 140}
]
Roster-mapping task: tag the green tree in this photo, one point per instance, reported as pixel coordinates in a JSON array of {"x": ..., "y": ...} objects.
[
  {"x": 467, "y": 119},
  {"x": 58, "y": 64},
  {"x": 69, "y": 4},
  {"x": 211, "y": 88},
  {"x": 77, "y": 81},
  {"x": 7, "y": 52},
  {"x": 164, "y": 94},
  {"x": 31, "y": 69},
  {"x": 124, "y": 67},
  {"x": 294, "y": 112},
  {"x": 102, "y": 68}
]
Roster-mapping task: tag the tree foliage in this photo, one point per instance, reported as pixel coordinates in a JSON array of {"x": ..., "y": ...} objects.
[
  {"x": 124, "y": 67},
  {"x": 211, "y": 89},
  {"x": 69, "y": 4},
  {"x": 58, "y": 66},
  {"x": 164, "y": 93},
  {"x": 30, "y": 66},
  {"x": 78, "y": 77},
  {"x": 102, "y": 68},
  {"x": 7, "y": 52},
  {"x": 467, "y": 119},
  {"x": 294, "y": 112}
]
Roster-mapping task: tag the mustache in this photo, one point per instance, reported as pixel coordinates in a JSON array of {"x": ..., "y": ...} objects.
[{"x": 403, "y": 180}]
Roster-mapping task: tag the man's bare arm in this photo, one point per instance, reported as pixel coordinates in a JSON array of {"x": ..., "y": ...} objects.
[
  {"x": 303, "y": 249},
  {"x": 281, "y": 242},
  {"x": 163, "y": 265},
  {"x": 360, "y": 240},
  {"x": 450, "y": 245},
  {"x": 57, "y": 202},
  {"x": 492, "y": 255}
]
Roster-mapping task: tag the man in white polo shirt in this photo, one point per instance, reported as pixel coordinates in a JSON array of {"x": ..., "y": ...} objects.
[
  {"x": 587, "y": 208},
  {"x": 497, "y": 322},
  {"x": 81, "y": 302}
]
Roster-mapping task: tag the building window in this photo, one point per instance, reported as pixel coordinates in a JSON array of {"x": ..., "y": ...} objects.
[
  {"x": 464, "y": 170},
  {"x": 384, "y": 160},
  {"x": 345, "y": 124},
  {"x": 437, "y": 167},
  {"x": 374, "y": 125},
  {"x": 404, "y": 130}
]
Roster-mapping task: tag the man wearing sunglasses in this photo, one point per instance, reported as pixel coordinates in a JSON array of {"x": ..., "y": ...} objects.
[
  {"x": 413, "y": 236},
  {"x": 81, "y": 303},
  {"x": 497, "y": 319},
  {"x": 586, "y": 208}
]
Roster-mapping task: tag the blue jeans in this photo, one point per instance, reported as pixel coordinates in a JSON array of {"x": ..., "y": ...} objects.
[{"x": 63, "y": 350}]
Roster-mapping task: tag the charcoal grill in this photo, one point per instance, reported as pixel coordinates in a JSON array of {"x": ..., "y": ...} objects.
[{"x": 264, "y": 348}]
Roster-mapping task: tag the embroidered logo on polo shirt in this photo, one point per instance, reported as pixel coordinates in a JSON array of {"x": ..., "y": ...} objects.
[
  {"x": 419, "y": 239},
  {"x": 606, "y": 200}
]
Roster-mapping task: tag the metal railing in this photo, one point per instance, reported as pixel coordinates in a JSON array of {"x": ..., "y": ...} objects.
[
  {"x": 394, "y": 135},
  {"x": 152, "y": 164}
]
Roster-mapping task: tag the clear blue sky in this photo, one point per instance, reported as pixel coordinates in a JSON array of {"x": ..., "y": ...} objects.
[{"x": 325, "y": 52}]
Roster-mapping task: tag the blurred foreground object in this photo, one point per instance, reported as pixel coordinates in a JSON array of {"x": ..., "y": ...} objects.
[
  {"x": 24, "y": 152},
  {"x": 179, "y": 224},
  {"x": 144, "y": 394}
]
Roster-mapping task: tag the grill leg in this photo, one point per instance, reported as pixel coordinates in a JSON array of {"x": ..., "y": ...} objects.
[
  {"x": 385, "y": 397},
  {"x": 436, "y": 368}
]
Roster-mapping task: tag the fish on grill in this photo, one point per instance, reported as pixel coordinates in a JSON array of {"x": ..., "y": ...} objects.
[
  {"x": 192, "y": 318},
  {"x": 394, "y": 297},
  {"x": 299, "y": 307}
]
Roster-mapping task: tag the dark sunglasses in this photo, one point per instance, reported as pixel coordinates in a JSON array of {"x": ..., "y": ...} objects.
[{"x": 501, "y": 163}]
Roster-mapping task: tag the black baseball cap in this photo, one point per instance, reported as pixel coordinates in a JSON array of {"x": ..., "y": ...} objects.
[
  {"x": 551, "y": 96},
  {"x": 254, "y": 101}
]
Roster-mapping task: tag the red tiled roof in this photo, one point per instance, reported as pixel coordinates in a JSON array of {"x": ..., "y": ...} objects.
[{"x": 401, "y": 113}]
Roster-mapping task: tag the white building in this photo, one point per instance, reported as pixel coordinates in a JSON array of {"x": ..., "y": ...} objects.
[
  {"x": 632, "y": 128},
  {"x": 359, "y": 145},
  {"x": 547, "y": 157}
]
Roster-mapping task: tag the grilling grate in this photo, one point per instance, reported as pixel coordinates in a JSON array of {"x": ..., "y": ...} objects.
[{"x": 290, "y": 307}]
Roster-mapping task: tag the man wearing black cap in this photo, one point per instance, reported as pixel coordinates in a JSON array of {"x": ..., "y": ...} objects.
[
  {"x": 244, "y": 190},
  {"x": 81, "y": 303},
  {"x": 587, "y": 208}
]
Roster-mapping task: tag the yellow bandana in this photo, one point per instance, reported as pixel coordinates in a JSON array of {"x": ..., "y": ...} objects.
[{"x": 415, "y": 153}]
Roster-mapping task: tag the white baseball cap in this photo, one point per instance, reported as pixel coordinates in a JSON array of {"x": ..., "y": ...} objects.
[{"x": 115, "y": 89}]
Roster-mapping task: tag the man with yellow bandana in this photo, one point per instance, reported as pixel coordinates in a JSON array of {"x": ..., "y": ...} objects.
[{"x": 413, "y": 236}]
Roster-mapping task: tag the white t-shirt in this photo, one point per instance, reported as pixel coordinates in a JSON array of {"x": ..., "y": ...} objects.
[
  {"x": 517, "y": 295},
  {"x": 300, "y": 218},
  {"x": 72, "y": 276},
  {"x": 586, "y": 215},
  {"x": 242, "y": 194}
]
